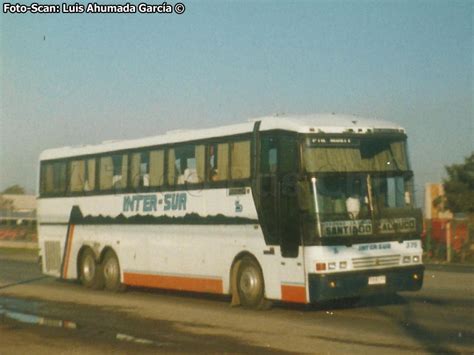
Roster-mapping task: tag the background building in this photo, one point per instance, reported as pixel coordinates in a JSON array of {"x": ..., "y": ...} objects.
[{"x": 17, "y": 217}]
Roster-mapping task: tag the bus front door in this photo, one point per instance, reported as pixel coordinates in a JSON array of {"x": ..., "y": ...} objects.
[{"x": 279, "y": 157}]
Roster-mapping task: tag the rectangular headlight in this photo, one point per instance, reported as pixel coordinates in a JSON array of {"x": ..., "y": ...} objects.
[
  {"x": 343, "y": 264},
  {"x": 406, "y": 259},
  {"x": 332, "y": 266}
]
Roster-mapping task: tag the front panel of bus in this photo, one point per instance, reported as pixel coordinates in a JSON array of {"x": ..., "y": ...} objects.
[{"x": 361, "y": 230}]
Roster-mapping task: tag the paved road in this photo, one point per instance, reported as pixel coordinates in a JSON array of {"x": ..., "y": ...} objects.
[{"x": 42, "y": 315}]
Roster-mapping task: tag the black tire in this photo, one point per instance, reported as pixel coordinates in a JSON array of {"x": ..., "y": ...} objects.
[
  {"x": 111, "y": 272},
  {"x": 250, "y": 284},
  {"x": 90, "y": 271}
]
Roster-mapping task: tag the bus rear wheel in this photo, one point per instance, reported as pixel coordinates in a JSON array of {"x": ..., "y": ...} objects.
[
  {"x": 250, "y": 284},
  {"x": 90, "y": 272},
  {"x": 111, "y": 270}
]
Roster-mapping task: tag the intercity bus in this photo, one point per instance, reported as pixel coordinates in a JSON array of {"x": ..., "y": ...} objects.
[{"x": 289, "y": 208}]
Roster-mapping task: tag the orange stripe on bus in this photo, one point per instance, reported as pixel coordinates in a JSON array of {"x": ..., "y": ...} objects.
[
  {"x": 295, "y": 294},
  {"x": 182, "y": 283},
  {"x": 68, "y": 250}
]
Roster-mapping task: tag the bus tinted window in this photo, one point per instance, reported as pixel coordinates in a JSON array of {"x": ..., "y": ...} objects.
[
  {"x": 269, "y": 155},
  {"x": 186, "y": 164},
  {"x": 82, "y": 175},
  {"x": 113, "y": 172},
  {"x": 240, "y": 160},
  {"x": 219, "y": 162},
  {"x": 53, "y": 177}
]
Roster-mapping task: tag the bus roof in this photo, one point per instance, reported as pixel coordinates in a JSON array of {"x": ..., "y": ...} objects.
[{"x": 313, "y": 123}]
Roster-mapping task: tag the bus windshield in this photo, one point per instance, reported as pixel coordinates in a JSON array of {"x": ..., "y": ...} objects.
[
  {"x": 361, "y": 204},
  {"x": 358, "y": 186}
]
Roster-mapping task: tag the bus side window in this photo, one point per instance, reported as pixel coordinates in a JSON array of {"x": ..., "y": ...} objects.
[
  {"x": 139, "y": 169},
  {"x": 53, "y": 177},
  {"x": 288, "y": 162},
  {"x": 82, "y": 175},
  {"x": 218, "y": 162},
  {"x": 269, "y": 157},
  {"x": 113, "y": 172},
  {"x": 186, "y": 164}
]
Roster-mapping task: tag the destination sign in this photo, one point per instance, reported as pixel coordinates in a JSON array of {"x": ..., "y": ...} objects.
[
  {"x": 400, "y": 225},
  {"x": 333, "y": 142},
  {"x": 347, "y": 228},
  {"x": 364, "y": 227}
]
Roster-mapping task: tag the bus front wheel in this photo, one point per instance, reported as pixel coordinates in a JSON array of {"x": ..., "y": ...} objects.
[
  {"x": 90, "y": 272},
  {"x": 111, "y": 269},
  {"x": 250, "y": 284}
]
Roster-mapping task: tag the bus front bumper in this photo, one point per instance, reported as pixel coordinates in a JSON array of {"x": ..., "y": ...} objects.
[{"x": 324, "y": 287}]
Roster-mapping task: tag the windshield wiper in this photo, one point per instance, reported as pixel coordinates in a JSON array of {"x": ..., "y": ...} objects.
[{"x": 316, "y": 205}]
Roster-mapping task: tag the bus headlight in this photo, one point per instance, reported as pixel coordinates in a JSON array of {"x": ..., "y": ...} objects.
[
  {"x": 406, "y": 259},
  {"x": 416, "y": 259},
  {"x": 332, "y": 266},
  {"x": 343, "y": 264}
]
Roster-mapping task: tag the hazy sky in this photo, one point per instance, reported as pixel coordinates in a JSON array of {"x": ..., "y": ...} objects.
[{"x": 75, "y": 79}]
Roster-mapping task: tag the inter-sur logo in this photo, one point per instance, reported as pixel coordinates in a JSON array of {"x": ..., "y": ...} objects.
[{"x": 149, "y": 203}]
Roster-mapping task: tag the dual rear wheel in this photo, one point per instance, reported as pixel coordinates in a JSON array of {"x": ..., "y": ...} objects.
[{"x": 97, "y": 275}]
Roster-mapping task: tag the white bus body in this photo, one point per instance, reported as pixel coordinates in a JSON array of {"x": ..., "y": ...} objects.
[{"x": 227, "y": 216}]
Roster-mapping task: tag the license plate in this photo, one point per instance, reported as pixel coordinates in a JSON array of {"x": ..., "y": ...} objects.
[{"x": 377, "y": 280}]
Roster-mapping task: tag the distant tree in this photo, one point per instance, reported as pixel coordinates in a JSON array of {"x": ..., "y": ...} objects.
[
  {"x": 459, "y": 186},
  {"x": 14, "y": 190}
]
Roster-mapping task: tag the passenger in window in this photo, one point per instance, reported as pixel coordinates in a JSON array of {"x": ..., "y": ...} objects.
[{"x": 191, "y": 176}]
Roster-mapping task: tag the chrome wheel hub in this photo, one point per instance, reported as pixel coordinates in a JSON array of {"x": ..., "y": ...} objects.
[
  {"x": 88, "y": 268},
  {"x": 111, "y": 270},
  {"x": 249, "y": 282}
]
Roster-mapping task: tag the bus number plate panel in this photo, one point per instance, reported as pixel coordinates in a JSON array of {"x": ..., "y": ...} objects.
[{"x": 377, "y": 280}]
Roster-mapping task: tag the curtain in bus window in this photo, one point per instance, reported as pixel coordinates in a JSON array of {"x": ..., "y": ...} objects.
[
  {"x": 399, "y": 154},
  {"x": 89, "y": 184},
  {"x": 157, "y": 158},
  {"x": 121, "y": 179},
  {"x": 379, "y": 162},
  {"x": 351, "y": 159},
  {"x": 77, "y": 175},
  {"x": 200, "y": 153},
  {"x": 222, "y": 162},
  {"x": 332, "y": 159},
  {"x": 240, "y": 160},
  {"x": 135, "y": 169},
  {"x": 171, "y": 167},
  {"x": 106, "y": 173},
  {"x": 381, "y": 155}
]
